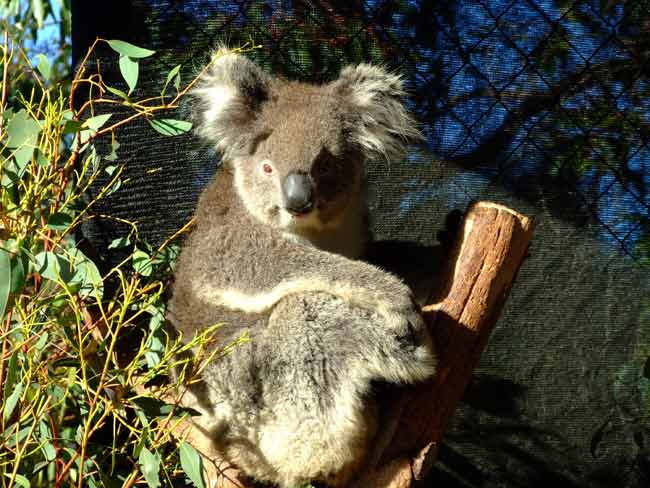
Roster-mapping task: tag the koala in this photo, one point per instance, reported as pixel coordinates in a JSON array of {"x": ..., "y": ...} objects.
[{"x": 274, "y": 253}]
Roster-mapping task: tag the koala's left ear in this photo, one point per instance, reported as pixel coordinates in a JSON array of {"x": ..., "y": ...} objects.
[
  {"x": 229, "y": 98},
  {"x": 383, "y": 126}
]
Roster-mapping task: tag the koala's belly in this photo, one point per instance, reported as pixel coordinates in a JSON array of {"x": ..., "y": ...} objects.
[{"x": 295, "y": 401}]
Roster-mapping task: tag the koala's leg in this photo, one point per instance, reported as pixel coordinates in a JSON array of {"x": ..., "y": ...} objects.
[{"x": 317, "y": 358}]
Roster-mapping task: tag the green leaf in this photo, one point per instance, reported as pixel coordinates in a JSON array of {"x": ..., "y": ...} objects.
[
  {"x": 12, "y": 374},
  {"x": 73, "y": 269},
  {"x": 52, "y": 266},
  {"x": 117, "y": 92},
  {"x": 86, "y": 275},
  {"x": 154, "y": 407},
  {"x": 96, "y": 122},
  {"x": 41, "y": 159},
  {"x": 129, "y": 69},
  {"x": 45, "y": 436},
  {"x": 20, "y": 480},
  {"x": 149, "y": 465},
  {"x": 191, "y": 464},
  {"x": 142, "y": 263},
  {"x": 120, "y": 242},
  {"x": 18, "y": 437},
  {"x": 170, "y": 127},
  {"x": 113, "y": 155},
  {"x": 5, "y": 280},
  {"x": 42, "y": 341},
  {"x": 19, "y": 268},
  {"x": 11, "y": 174},
  {"x": 22, "y": 130},
  {"x": 173, "y": 73},
  {"x": 59, "y": 221},
  {"x": 23, "y": 156},
  {"x": 12, "y": 401},
  {"x": 39, "y": 12},
  {"x": 155, "y": 348},
  {"x": 44, "y": 66},
  {"x": 126, "y": 49},
  {"x": 72, "y": 126},
  {"x": 144, "y": 437}
]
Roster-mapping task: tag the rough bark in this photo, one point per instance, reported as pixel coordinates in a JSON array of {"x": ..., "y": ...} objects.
[{"x": 461, "y": 313}]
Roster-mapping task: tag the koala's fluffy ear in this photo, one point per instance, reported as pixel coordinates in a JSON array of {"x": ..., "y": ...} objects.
[
  {"x": 382, "y": 126},
  {"x": 229, "y": 96}
]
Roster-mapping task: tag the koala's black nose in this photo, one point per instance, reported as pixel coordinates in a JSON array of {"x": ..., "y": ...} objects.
[{"x": 298, "y": 191}]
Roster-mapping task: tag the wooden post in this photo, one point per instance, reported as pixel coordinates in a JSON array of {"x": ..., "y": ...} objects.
[{"x": 465, "y": 306}]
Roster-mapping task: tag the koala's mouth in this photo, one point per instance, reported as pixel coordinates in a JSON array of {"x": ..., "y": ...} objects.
[
  {"x": 307, "y": 218},
  {"x": 300, "y": 212}
]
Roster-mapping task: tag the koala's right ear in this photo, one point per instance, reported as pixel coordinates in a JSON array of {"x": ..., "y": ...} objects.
[{"x": 229, "y": 96}]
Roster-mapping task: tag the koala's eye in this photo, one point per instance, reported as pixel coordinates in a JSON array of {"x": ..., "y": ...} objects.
[
  {"x": 267, "y": 168},
  {"x": 324, "y": 169}
]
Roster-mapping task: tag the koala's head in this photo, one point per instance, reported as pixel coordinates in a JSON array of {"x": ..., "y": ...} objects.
[{"x": 298, "y": 150}]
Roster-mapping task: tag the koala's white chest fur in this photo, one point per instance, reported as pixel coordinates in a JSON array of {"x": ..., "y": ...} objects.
[{"x": 346, "y": 235}]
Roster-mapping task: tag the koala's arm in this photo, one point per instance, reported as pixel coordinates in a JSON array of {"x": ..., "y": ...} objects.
[{"x": 258, "y": 282}]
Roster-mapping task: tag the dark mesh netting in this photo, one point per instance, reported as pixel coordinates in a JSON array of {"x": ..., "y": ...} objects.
[{"x": 541, "y": 105}]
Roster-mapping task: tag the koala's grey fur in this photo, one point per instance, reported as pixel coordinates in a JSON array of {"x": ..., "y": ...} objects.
[{"x": 294, "y": 404}]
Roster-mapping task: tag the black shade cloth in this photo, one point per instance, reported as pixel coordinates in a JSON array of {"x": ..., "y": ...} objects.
[{"x": 540, "y": 105}]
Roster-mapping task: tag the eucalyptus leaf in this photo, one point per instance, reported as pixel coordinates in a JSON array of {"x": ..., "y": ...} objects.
[
  {"x": 12, "y": 374},
  {"x": 38, "y": 9},
  {"x": 170, "y": 127},
  {"x": 22, "y": 130},
  {"x": 19, "y": 269},
  {"x": 127, "y": 49},
  {"x": 42, "y": 341},
  {"x": 59, "y": 221},
  {"x": 97, "y": 122},
  {"x": 149, "y": 465},
  {"x": 142, "y": 263},
  {"x": 191, "y": 464},
  {"x": 18, "y": 437},
  {"x": 5, "y": 280},
  {"x": 116, "y": 186},
  {"x": 143, "y": 439},
  {"x": 113, "y": 154},
  {"x": 45, "y": 437},
  {"x": 130, "y": 70},
  {"x": 44, "y": 66},
  {"x": 117, "y": 92},
  {"x": 72, "y": 126},
  {"x": 10, "y": 173},
  {"x": 20, "y": 480},
  {"x": 23, "y": 155},
  {"x": 12, "y": 401},
  {"x": 120, "y": 242},
  {"x": 155, "y": 348},
  {"x": 52, "y": 266},
  {"x": 41, "y": 159},
  {"x": 86, "y": 274},
  {"x": 154, "y": 407},
  {"x": 173, "y": 74}
]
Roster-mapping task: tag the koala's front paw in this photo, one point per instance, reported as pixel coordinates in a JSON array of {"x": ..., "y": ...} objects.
[
  {"x": 401, "y": 312},
  {"x": 412, "y": 356}
]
